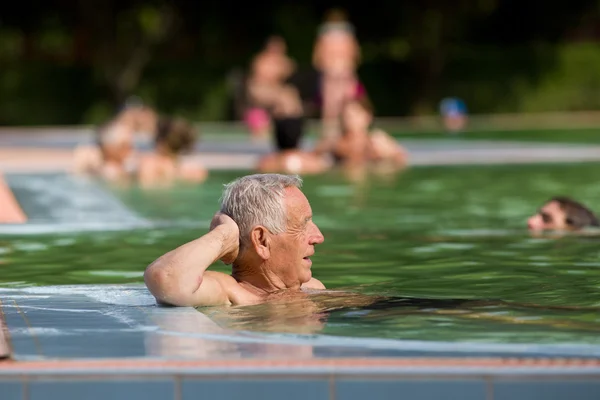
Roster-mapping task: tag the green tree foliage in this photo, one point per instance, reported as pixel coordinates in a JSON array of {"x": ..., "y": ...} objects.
[{"x": 76, "y": 61}]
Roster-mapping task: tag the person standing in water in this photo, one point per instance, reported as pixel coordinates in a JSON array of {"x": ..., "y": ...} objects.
[
  {"x": 276, "y": 104},
  {"x": 336, "y": 56},
  {"x": 268, "y": 72},
  {"x": 113, "y": 156},
  {"x": 324, "y": 90},
  {"x": 359, "y": 145},
  {"x": 175, "y": 137},
  {"x": 264, "y": 228},
  {"x": 454, "y": 114}
]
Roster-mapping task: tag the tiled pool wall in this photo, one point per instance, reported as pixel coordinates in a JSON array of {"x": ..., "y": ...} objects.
[
  {"x": 421, "y": 379},
  {"x": 297, "y": 387}
]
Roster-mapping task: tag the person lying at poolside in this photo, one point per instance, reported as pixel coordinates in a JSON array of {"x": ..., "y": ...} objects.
[
  {"x": 174, "y": 138},
  {"x": 562, "y": 213},
  {"x": 264, "y": 229}
]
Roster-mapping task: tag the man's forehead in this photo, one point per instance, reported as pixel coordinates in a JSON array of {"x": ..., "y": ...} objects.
[{"x": 296, "y": 201}]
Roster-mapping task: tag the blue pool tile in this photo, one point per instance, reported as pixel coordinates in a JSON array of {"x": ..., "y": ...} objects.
[
  {"x": 10, "y": 390},
  {"x": 374, "y": 389},
  {"x": 547, "y": 390},
  {"x": 102, "y": 390},
  {"x": 259, "y": 389}
]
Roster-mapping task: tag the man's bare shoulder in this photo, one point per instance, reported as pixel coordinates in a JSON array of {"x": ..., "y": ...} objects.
[
  {"x": 314, "y": 283},
  {"x": 236, "y": 294},
  {"x": 221, "y": 277}
]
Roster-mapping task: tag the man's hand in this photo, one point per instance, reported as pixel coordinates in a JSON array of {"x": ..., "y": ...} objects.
[{"x": 230, "y": 236}]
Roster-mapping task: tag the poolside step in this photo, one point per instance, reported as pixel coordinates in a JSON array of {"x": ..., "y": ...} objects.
[{"x": 64, "y": 199}]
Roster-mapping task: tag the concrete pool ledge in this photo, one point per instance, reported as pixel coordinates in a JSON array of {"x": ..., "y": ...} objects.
[
  {"x": 245, "y": 155},
  {"x": 443, "y": 366}
]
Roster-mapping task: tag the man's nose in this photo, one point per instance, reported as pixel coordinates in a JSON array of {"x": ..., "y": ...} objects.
[{"x": 317, "y": 237}]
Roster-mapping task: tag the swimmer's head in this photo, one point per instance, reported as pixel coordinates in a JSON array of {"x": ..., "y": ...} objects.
[
  {"x": 357, "y": 115},
  {"x": 276, "y": 44},
  {"x": 336, "y": 19},
  {"x": 116, "y": 141},
  {"x": 174, "y": 136},
  {"x": 562, "y": 213},
  {"x": 138, "y": 117},
  {"x": 336, "y": 50}
]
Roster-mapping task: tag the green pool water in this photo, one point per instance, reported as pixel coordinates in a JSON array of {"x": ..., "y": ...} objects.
[{"x": 434, "y": 234}]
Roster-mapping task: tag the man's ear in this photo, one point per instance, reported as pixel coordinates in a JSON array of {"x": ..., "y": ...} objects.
[{"x": 261, "y": 241}]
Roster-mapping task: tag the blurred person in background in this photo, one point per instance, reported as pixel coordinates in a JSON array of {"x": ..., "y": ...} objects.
[
  {"x": 454, "y": 114},
  {"x": 336, "y": 56},
  {"x": 288, "y": 127},
  {"x": 277, "y": 100},
  {"x": 361, "y": 145},
  {"x": 167, "y": 164},
  {"x": 113, "y": 156},
  {"x": 266, "y": 84},
  {"x": 562, "y": 213},
  {"x": 114, "y": 159},
  {"x": 322, "y": 90}
]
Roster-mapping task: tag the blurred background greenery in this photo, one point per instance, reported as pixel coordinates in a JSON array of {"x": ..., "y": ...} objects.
[{"x": 76, "y": 61}]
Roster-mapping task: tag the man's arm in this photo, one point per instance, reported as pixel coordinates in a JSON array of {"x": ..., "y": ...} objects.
[{"x": 178, "y": 277}]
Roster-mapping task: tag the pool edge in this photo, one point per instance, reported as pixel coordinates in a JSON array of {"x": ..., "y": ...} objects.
[{"x": 396, "y": 366}]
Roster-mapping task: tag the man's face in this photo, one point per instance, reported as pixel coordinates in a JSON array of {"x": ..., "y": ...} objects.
[
  {"x": 551, "y": 216},
  {"x": 292, "y": 249}
]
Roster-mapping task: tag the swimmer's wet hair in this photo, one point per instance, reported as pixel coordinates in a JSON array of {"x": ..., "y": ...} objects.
[
  {"x": 258, "y": 200},
  {"x": 336, "y": 19},
  {"x": 336, "y": 15},
  {"x": 364, "y": 103},
  {"x": 176, "y": 134},
  {"x": 577, "y": 215}
]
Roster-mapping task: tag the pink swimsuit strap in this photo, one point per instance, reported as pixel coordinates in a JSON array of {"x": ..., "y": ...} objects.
[{"x": 361, "y": 91}]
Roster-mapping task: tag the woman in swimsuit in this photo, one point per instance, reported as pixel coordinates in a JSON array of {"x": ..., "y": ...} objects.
[
  {"x": 269, "y": 70},
  {"x": 336, "y": 57}
]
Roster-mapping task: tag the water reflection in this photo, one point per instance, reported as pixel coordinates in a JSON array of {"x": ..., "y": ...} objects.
[
  {"x": 187, "y": 333},
  {"x": 343, "y": 313}
]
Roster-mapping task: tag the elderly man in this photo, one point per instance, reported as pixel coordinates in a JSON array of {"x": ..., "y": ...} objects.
[{"x": 264, "y": 228}]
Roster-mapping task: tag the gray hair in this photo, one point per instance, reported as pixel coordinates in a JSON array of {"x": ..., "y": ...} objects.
[{"x": 258, "y": 200}]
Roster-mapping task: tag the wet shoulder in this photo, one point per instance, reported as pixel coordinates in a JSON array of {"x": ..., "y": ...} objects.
[{"x": 235, "y": 292}]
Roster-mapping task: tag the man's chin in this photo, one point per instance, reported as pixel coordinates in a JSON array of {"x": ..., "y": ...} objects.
[{"x": 306, "y": 276}]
